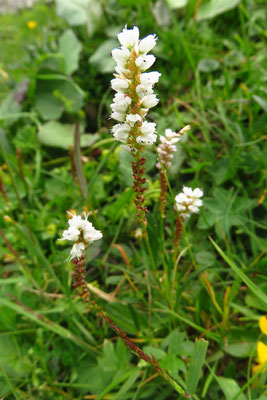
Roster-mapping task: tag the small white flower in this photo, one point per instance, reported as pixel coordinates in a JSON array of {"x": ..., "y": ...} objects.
[
  {"x": 122, "y": 71},
  {"x": 148, "y": 128},
  {"x": 120, "y": 85},
  {"x": 121, "y": 132},
  {"x": 148, "y": 139},
  {"x": 147, "y": 44},
  {"x": 133, "y": 118},
  {"x": 121, "y": 56},
  {"x": 80, "y": 231},
  {"x": 145, "y": 62},
  {"x": 188, "y": 201},
  {"x": 121, "y": 102},
  {"x": 118, "y": 116},
  {"x": 129, "y": 37},
  {"x": 150, "y": 101},
  {"x": 130, "y": 149},
  {"x": 149, "y": 78},
  {"x": 76, "y": 251},
  {"x": 143, "y": 90}
]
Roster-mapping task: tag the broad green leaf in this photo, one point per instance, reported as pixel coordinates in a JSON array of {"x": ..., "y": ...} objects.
[
  {"x": 162, "y": 14},
  {"x": 70, "y": 48},
  {"x": 157, "y": 353},
  {"x": 208, "y": 65},
  {"x": 94, "y": 16},
  {"x": 55, "y": 134},
  {"x": 55, "y": 94},
  {"x": 174, "y": 4},
  {"x": 196, "y": 363},
  {"x": 9, "y": 106},
  {"x": 214, "y": 7},
  {"x": 225, "y": 210},
  {"x": 230, "y": 388},
  {"x": 74, "y": 11},
  {"x": 101, "y": 57}
]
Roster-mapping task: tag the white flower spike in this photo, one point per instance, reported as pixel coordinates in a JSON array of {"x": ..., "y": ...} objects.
[
  {"x": 80, "y": 231},
  {"x": 134, "y": 87},
  {"x": 167, "y": 146},
  {"x": 188, "y": 201}
]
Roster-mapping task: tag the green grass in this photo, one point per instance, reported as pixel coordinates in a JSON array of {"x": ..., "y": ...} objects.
[{"x": 51, "y": 345}]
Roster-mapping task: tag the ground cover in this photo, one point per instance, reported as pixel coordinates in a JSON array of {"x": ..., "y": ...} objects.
[{"x": 55, "y": 70}]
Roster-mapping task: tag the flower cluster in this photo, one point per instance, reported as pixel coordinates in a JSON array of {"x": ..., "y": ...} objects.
[
  {"x": 188, "y": 201},
  {"x": 134, "y": 89},
  {"x": 167, "y": 146},
  {"x": 81, "y": 232},
  {"x": 261, "y": 347}
]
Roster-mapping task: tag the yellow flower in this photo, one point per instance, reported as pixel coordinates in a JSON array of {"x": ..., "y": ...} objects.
[
  {"x": 262, "y": 357},
  {"x": 263, "y": 324},
  {"x": 31, "y": 24}
]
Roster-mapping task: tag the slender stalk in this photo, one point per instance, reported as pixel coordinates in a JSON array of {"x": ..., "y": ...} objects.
[{"x": 80, "y": 284}]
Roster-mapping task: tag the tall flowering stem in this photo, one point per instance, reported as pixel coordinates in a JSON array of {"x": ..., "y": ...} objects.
[
  {"x": 131, "y": 103},
  {"x": 80, "y": 284}
]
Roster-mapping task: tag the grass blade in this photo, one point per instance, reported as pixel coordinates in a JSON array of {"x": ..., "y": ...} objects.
[
  {"x": 45, "y": 322},
  {"x": 255, "y": 289}
]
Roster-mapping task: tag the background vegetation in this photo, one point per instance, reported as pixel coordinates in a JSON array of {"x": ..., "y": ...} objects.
[{"x": 55, "y": 70}]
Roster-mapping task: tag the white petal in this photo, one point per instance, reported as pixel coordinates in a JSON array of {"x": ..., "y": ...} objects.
[
  {"x": 145, "y": 62},
  {"x": 133, "y": 118},
  {"x": 121, "y": 56},
  {"x": 129, "y": 37},
  {"x": 77, "y": 250},
  {"x": 187, "y": 190},
  {"x": 143, "y": 90},
  {"x": 197, "y": 192},
  {"x": 120, "y": 85},
  {"x": 148, "y": 127},
  {"x": 147, "y": 139},
  {"x": 149, "y": 78},
  {"x": 147, "y": 44},
  {"x": 118, "y": 116},
  {"x": 130, "y": 149},
  {"x": 150, "y": 101}
]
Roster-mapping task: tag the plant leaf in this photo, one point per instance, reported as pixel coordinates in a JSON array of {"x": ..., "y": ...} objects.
[
  {"x": 214, "y": 8},
  {"x": 196, "y": 363},
  {"x": 174, "y": 4},
  {"x": 70, "y": 48},
  {"x": 251, "y": 285},
  {"x": 230, "y": 388}
]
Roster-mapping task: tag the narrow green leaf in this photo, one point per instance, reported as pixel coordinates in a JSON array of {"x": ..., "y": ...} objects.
[
  {"x": 45, "y": 322},
  {"x": 255, "y": 289},
  {"x": 127, "y": 384},
  {"x": 196, "y": 363}
]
